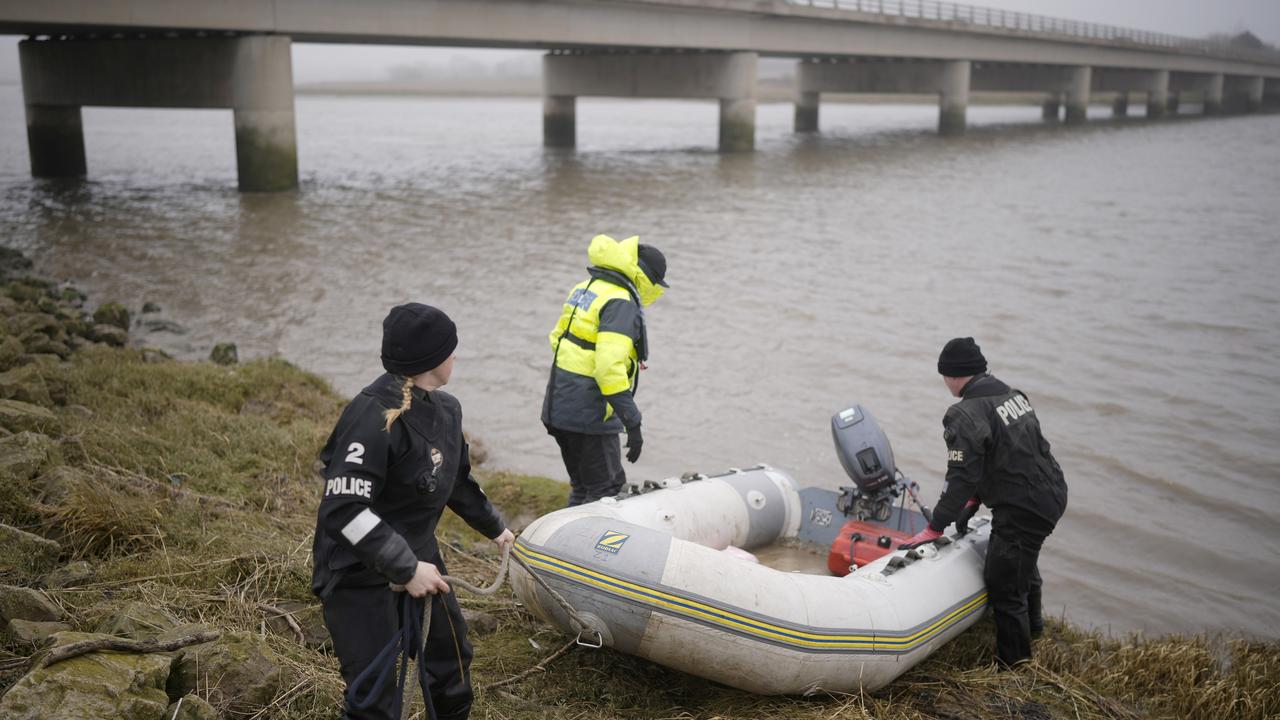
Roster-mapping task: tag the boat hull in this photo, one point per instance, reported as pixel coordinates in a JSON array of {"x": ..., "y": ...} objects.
[{"x": 643, "y": 573}]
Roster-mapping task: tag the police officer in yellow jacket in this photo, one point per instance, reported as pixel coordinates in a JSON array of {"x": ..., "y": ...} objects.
[{"x": 600, "y": 343}]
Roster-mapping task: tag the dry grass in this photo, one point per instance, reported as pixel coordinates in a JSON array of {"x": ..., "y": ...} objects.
[{"x": 198, "y": 497}]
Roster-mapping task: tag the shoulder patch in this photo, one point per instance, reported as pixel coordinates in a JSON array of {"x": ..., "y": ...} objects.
[
  {"x": 582, "y": 298},
  {"x": 948, "y": 434}
]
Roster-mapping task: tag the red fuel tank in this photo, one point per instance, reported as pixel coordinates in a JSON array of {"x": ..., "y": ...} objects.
[{"x": 861, "y": 542}]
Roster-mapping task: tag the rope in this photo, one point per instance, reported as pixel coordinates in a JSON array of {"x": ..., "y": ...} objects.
[
  {"x": 415, "y": 624},
  {"x": 583, "y": 626}
]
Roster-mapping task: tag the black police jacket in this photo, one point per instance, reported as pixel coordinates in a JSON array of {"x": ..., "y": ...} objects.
[
  {"x": 384, "y": 492},
  {"x": 995, "y": 451}
]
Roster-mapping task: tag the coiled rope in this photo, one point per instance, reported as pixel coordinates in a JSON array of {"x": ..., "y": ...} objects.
[{"x": 410, "y": 642}]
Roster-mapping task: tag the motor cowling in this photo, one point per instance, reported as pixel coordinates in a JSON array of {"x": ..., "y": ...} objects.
[{"x": 864, "y": 450}]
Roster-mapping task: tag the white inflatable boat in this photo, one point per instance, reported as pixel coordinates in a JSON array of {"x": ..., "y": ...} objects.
[{"x": 646, "y": 570}]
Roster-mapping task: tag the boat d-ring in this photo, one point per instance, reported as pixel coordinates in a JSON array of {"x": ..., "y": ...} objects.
[{"x": 599, "y": 643}]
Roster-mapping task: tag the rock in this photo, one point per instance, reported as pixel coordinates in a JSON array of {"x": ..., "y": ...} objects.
[
  {"x": 41, "y": 345},
  {"x": 10, "y": 349},
  {"x": 13, "y": 262},
  {"x": 120, "y": 686},
  {"x": 112, "y": 314},
  {"x": 19, "y": 416},
  {"x": 224, "y": 354},
  {"x": 56, "y": 484},
  {"x": 190, "y": 707},
  {"x": 153, "y": 356},
  {"x": 481, "y": 623},
  {"x": 23, "y": 456},
  {"x": 109, "y": 334},
  {"x": 35, "y": 633},
  {"x": 138, "y": 621},
  {"x": 310, "y": 619},
  {"x": 76, "y": 573},
  {"x": 25, "y": 384},
  {"x": 80, "y": 411},
  {"x": 28, "y": 324},
  {"x": 72, "y": 295},
  {"x": 150, "y": 307},
  {"x": 169, "y": 326},
  {"x": 20, "y": 603},
  {"x": 237, "y": 672},
  {"x": 27, "y": 552},
  {"x": 79, "y": 329},
  {"x": 26, "y": 290}
]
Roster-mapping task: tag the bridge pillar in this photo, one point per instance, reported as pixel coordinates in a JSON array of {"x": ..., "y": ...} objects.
[
  {"x": 1213, "y": 95},
  {"x": 953, "y": 96},
  {"x": 559, "y": 121},
  {"x": 252, "y": 75},
  {"x": 1077, "y": 95},
  {"x": 55, "y": 141},
  {"x": 1271, "y": 93},
  {"x": 1242, "y": 94},
  {"x": 1120, "y": 105},
  {"x": 729, "y": 77},
  {"x": 949, "y": 79},
  {"x": 1158, "y": 94},
  {"x": 1051, "y": 109},
  {"x": 806, "y": 119}
]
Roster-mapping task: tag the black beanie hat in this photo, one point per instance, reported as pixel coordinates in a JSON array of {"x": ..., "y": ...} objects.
[
  {"x": 961, "y": 357},
  {"x": 416, "y": 338},
  {"x": 653, "y": 263}
]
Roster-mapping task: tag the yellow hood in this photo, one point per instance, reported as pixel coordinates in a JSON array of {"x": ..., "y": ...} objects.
[{"x": 622, "y": 256}]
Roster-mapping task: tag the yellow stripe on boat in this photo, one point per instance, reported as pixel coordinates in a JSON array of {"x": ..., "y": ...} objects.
[{"x": 724, "y": 617}]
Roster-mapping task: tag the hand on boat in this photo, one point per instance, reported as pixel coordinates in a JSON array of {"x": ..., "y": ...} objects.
[
  {"x": 426, "y": 581},
  {"x": 634, "y": 442},
  {"x": 966, "y": 514},
  {"x": 926, "y": 535}
]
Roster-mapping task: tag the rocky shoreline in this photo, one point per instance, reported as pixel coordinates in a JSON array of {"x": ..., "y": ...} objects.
[{"x": 166, "y": 508}]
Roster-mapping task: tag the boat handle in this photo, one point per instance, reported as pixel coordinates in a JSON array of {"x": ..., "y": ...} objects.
[{"x": 594, "y": 646}]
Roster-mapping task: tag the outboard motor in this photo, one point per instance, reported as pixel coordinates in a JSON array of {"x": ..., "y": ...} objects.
[{"x": 867, "y": 458}]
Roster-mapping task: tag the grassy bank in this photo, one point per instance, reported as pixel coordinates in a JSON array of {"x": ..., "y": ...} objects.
[{"x": 192, "y": 488}]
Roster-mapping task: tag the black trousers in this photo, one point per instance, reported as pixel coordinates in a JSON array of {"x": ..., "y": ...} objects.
[
  {"x": 594, "y": 463},
  {"x": 362, "y": 620},
  {"x": 1013, "y": 591}
]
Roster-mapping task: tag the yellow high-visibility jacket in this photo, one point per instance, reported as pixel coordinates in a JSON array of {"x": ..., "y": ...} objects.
[{"x": 599, "y": 342}]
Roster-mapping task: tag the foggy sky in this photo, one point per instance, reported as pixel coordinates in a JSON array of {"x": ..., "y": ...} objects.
[{"x": 1195, "y": 18}]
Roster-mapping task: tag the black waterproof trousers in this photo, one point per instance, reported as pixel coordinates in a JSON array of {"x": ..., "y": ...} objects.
[
  {"x": 1013, "y": 591},
  {"x": 362, "y": 620},
  {"x": 594, "y": 463}
]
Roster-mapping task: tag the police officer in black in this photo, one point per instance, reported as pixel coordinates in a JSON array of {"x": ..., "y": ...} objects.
[
  {"x": 394, "y": 462},
  {"x": 997, "y": 456}
]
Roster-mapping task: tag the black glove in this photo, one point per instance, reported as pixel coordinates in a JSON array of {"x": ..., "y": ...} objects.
[
  {"x": 634, "y": 443},
  {"x": 966, "y": 513}
]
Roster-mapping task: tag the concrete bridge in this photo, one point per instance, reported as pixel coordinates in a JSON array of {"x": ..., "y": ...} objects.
[{"x": 236, "y": 54}]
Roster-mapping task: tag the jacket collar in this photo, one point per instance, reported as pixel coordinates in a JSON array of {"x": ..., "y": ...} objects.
[
  {"x": 421, "y": 416},
  {"x": 983, "y": 385}
]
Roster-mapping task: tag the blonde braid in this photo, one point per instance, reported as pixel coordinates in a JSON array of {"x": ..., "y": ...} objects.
[{"x": 391, "y": 414}]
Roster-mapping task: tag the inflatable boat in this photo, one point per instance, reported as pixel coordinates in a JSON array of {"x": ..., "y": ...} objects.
[{"x": 648, "y": 572}]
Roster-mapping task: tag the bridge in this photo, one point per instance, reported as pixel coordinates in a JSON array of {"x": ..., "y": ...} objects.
[{"x": 236, "y": 54}]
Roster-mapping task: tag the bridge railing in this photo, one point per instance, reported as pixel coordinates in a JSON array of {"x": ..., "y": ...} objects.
[{"x": 1041, "y": 24}]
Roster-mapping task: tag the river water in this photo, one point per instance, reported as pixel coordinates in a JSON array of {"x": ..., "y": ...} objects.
[{"x": 1122, "y": 274}]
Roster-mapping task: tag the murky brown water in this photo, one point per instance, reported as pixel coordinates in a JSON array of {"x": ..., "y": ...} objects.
[{"x": 1122, "y": 276}]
